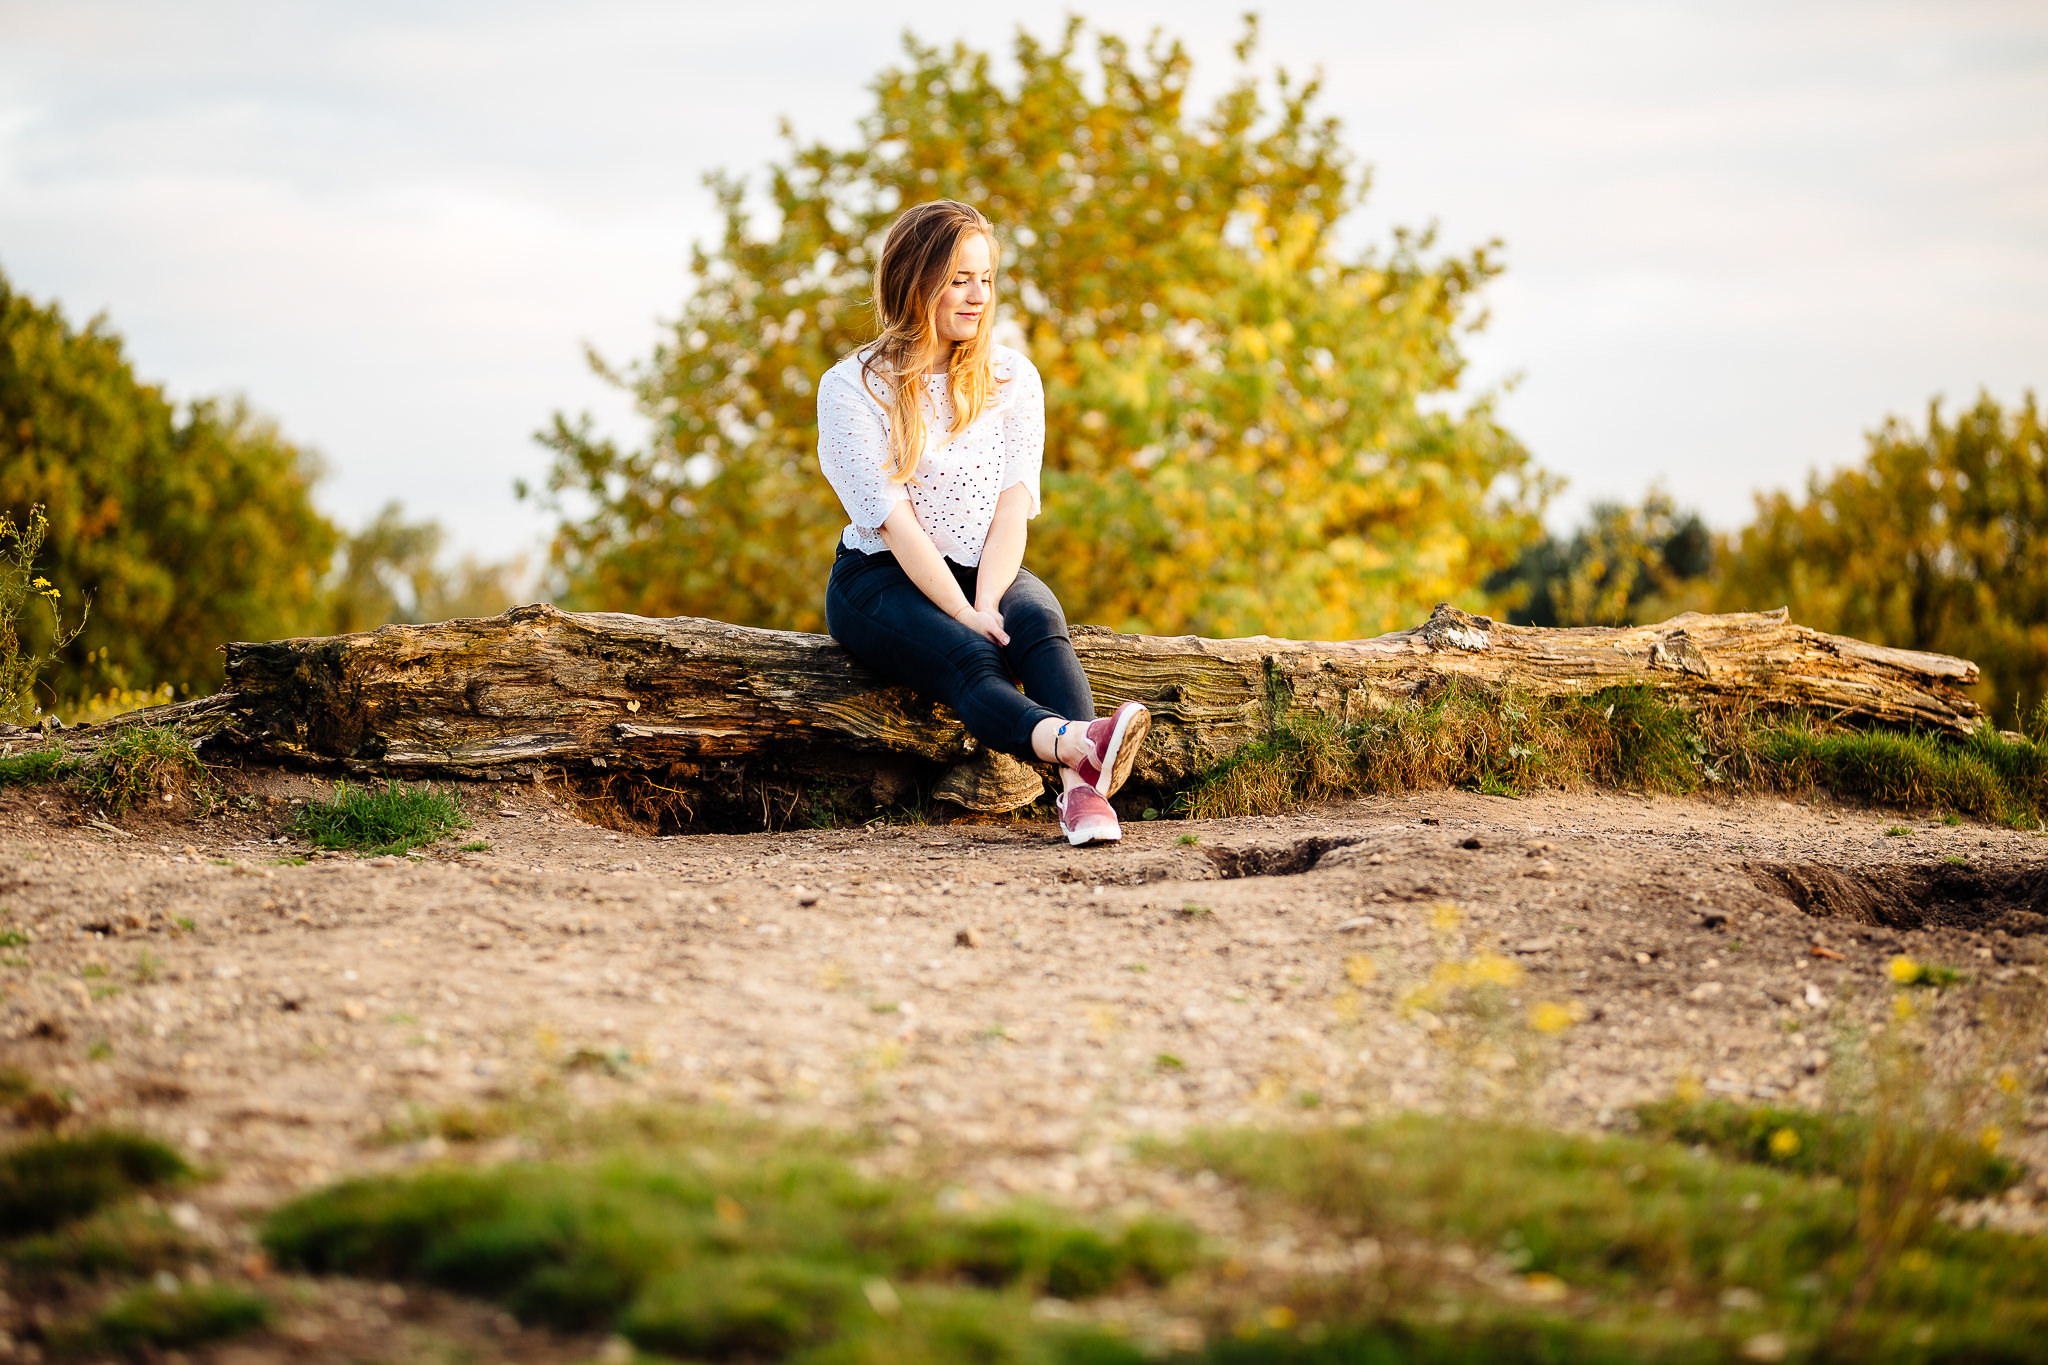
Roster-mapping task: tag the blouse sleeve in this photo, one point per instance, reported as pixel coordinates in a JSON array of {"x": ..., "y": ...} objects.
[
  {"x": 853, "y": 449},
  {"x": 1024, "y": 431}
]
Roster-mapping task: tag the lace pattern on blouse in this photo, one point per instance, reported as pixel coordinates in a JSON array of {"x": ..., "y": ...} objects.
[{"x": 957, "y": 482}]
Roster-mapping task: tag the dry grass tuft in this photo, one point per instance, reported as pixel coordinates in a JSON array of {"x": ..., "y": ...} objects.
[{"x": 1636, "y": 738}]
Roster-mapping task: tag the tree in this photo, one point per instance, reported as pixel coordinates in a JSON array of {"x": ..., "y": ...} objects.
[
  {"x": 392, "y": 571},
  {"x": 1247, "y": 428},
  {"x": 184, "y": 527},
  {"x": 1935, "y": 542},
  {"x": 1628, "y": 564}
]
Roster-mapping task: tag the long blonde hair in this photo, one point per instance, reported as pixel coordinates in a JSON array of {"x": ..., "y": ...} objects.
[{"x": 914, "y": 269}]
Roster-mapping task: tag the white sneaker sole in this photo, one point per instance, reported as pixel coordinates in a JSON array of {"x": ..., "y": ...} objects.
[{"x": 1094, "y": 832}]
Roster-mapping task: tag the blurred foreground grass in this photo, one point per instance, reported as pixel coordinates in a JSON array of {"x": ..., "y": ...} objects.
[
  {"x": 698, "y": 1236},
  {"x": 1417, "y": 1239}
]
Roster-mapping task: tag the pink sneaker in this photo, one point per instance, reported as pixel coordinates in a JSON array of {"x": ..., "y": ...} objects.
[
  {"x": 1085, "y": 818},
  {"x": 1115, "y": 738}
]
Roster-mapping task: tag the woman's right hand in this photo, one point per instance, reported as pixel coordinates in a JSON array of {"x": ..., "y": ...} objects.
[{"x": 987, "y": 624}]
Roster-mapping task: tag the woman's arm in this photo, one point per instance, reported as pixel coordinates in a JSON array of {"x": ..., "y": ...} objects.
[
  {"x": 926, "y": 567},
  {"x": 1003, "y": 552}
]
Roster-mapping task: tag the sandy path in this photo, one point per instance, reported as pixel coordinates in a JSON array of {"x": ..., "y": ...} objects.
[{"x": 980, "y": 985}]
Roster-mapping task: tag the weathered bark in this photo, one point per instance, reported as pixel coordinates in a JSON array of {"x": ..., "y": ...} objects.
[{"x": 716, "y": 707}]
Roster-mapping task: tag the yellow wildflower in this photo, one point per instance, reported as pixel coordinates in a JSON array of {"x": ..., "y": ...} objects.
[
  {"x": 1279, "y": 1317},
  {"x": 1906, "y": 971},
  {"x": 1360, "y": 969},
  {"x": 2008, "y": 1081},
  {"x": 1990, "y": 1139},
  {"x": 1492, "y": 969},
  {"x": 1550, "y": 1017},
  {"x": 1784, "y": 1144}
]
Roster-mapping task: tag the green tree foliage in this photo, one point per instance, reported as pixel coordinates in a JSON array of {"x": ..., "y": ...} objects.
[
  {"x": 1628, "y": 564},
  {"x": 184, "y": 527},
  {"x": 1935, "y": 542},
  {"x": 1248, "y": 428},
  {"x": 392, "y": 570}
]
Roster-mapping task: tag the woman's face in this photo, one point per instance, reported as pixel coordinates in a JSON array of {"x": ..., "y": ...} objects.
[{"x": 970, "y": 290}]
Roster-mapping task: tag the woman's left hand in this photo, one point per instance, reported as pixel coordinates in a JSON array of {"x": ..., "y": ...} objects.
[{"x": 986, "y": 623}]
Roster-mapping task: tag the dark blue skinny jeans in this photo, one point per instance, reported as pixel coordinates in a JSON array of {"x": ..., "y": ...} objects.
[{"x": 880, "y": 616}]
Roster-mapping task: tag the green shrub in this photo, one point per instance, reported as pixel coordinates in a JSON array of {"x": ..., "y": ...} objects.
[
  {"x": 392, "y": 820},
  {"x": 21, "y": 589}
]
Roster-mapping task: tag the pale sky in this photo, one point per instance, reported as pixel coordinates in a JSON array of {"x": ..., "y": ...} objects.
[{"x": 1738, "y": 235}]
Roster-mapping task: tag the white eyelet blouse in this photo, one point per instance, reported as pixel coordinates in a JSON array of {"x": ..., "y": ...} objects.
[{"x": 959, "y": 479}]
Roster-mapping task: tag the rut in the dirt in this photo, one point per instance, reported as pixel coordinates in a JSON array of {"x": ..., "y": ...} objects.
[
  {"x": 1286, "y": 858},
  {"x": 1910, "y": 896}
]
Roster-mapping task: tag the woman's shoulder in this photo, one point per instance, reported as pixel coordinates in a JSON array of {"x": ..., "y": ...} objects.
[
  {"x": 846, "y": 377},
  {"x": 1012, "y": 364}
]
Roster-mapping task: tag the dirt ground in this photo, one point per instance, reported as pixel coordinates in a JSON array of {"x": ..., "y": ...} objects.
[{"x": 976, "y": 988}]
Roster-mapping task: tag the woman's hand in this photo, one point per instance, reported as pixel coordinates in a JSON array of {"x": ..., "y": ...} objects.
[{"x": 988, "y": 624}]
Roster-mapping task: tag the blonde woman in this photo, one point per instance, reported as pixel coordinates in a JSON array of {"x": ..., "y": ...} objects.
[{"x": 932, "y": 436}]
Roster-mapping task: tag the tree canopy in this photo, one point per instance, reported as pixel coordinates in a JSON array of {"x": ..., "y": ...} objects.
[
  {"x": 1628, "y": 564},
  {"x": 184, "y": 526},
  {"x": 1934, "y": 542},
  {"x": 1250, "y": 428}
]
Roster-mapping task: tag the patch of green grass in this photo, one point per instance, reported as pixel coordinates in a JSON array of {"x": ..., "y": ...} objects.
[
  {"x": 14, "y": 938},
  {"x": 142, "y": 761},
  {"x": 719, "y": 1241},
  {"x": 369, "y": 821},
  {"x": 1955, "y": 860},
  {"x": 1622, "y": 1223},
  {"x": 145, "y": 1321},
  {"x": 49, "y": 1182},
  {"x": 36, "y": 767},
  {"x": 1986, "y": 775},
  {"x": 476, "y": 846},
  {"x": 1636, "y": 737},
  {"x": 117, "y": 1240},
  {"x": 1811, "y": 1143}
]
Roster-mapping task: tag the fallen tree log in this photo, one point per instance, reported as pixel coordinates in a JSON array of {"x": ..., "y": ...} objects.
[{"x": 729, "y": 714}]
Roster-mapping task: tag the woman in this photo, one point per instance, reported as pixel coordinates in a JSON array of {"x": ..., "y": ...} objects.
[{"x": 932, "y": 437}]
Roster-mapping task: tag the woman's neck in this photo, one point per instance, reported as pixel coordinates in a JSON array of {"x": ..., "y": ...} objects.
[{"x": 942, "y": 360}]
